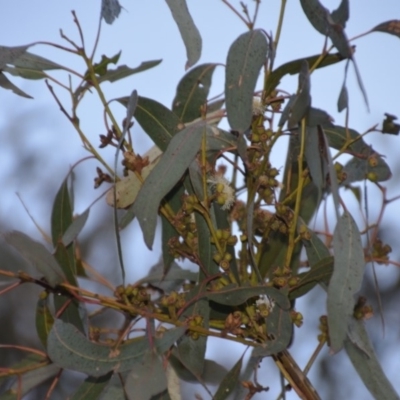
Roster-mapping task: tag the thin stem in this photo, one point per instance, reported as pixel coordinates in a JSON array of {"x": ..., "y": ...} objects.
[
  {"x": 236, "y": 12},
  {"x": 280, "y": 23}
]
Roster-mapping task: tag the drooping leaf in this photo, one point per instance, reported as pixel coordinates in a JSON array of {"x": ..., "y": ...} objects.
[
  {"x": 337, "y": 138},
  {"x": 75, "y": 228},
  {"x": 110, "y": 10},
  {"x": 6, "y": 84},
  {"x": 147, "y": 378},
  {"x": 188, "y": 30},
  {"x": 343, "y": 100},
  {"x": 44, "y": 319},
  {"x": 171, "y": 167},
  {"x": 92, "y": 388},
  {"x": 392, "y": 27},
  {"x": 293, "y": 67},
  {"x": 367, "y": 364},
  {"x": 226, "y": 388},
  {"x": 192, "y": 92},
  {"x": 246, "y": 56},
  {"x": 124, "y": 71},
  {"x": 234, "y": 295},
  {"x": 346, "y": 279},
  {"x": 36, "y": 254},
  {"x": 9, "y": 55}
]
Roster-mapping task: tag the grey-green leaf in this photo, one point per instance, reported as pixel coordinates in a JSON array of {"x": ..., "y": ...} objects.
[
  {"x": 37, "y": 255},
  {"x": 6, "y": 84},
  {"x": 146, "y": 378},
  {"x": 392, "y": 27},
  {"x": 91, "y": 388},
  {"x": 75, "y": 228},
  {"x": 367, "y": 365},
  {"x": 110, "y": 10},
  {"x": 123, "y": 71},
  {"x": 192, "y": 92},
  {"x": 8, "y": 55},
  {"x": 246, "y": 56},
  {"x": 226, "y": 388},
  {"x": 346, "y": 279},
  {"x": 188, "y": 30},
  {"x": 69, "y": 348},
  {"x": 171, "y": 167},
  {"x": 233, "y": 295}
]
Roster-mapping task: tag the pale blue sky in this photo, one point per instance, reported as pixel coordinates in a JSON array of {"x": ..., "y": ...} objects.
[{"x": 146, "y": 31}]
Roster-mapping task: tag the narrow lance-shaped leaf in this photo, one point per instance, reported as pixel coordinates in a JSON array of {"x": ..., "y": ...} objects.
[
  {"x": 8, "y": 55},
  {"x": 226, "y": 388},
  {"x": 246, "y": 56},
  {"x": 6, "y": 84},
  {"x": 171, "y": 167},
  {"x": 392, "y": 27},
  {"x": 92, "y": 388},
  {"x": 346, "y": 279},
  {"x": 75, "y": 228},
  {"x": 188, "y": 30},
  {"x": 35, "y": 253},
  {"x": 367, "y": 364},
  {"x": 192, "y": 92},
  {"x": 157, "y": 121}
]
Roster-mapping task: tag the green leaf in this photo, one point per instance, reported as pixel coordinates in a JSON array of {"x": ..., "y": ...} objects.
[
  {"x": 192, "y": 92},
  {"x": 69, "y": 348},
  {"x": 226, "y": 388},
  {"x": 337, "y": 138},
  {"x": 188, "y": 30},
  {"x": 36, "y": 254},
  {"x": 110, "y": 10},
  {"x": 9, "y": 55},
  {"x": 233, "y": 295},
  {"x": 246, "y": 56},
  {"x": 213, "y": 372},
  {"x": 341, "y": 14},
  {"x": 370, "y": 166},
  {"x": 346, "y": 279},
  {"x": 171, "y": 167},
  {"x": 294, "y": 67},
  {"x": 320, "y": 18},
  {"x": 320, "y": 273},
  {"x": 92, "y": 388},
  {"x": 367, "y": 365},
  {"x": 392, "y": 27},
  {"x": 191, "y": 351},
  {"x": 146, "y": 378},
  {"x": 280, "y": 329},
  {"x": 124, "y": 71},
  {"x": 101, "y": 67},
  {"x": 44, "y": 319},
  {"x": 30, "y": 380},
  {"x": 167, "y": 281},
  {"x": 75, "y": 228},
  {"x": 302, "y": 101},
  {"x": 168, "y": 231},
  {"x": 6, "y": 84},
  {"x": 160, "y": 123}
]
